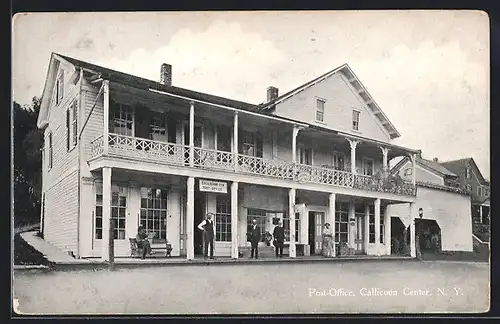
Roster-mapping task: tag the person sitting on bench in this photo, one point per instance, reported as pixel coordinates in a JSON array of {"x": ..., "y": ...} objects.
[{"x": 143, "y": 242}]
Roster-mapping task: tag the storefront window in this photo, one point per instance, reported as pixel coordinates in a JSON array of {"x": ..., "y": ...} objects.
[
  {"x": 153, "y": 215},
  {"x": 118, "y": 211},
  {"x": 341, "y": 222},
  {"x": 223, "y": 219}
]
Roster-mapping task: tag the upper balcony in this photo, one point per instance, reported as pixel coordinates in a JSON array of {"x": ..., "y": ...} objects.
[
  {"x": 232, "y": 141},
  {"x": 139, "y": 149}
]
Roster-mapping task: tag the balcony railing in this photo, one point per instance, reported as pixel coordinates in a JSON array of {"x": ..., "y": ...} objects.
[{"x": 177, "y": 154}]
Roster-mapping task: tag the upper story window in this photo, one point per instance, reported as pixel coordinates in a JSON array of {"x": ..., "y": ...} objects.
[
  {"x": 123, "y": 120},
  {"x": 60, "y": 87},
  {"x": 320, "y": 110},
  {"x": 368, "y": 167},
  {"x": 480, "y": 191},
  {"x": 338, "y": 161},
  {"x": 304, "y": 155},
  {"x": 250, "y": 144},
  {"x": 408, "y": 172},
  {"x": 157, "y": 126},
  {"x": 50, "y": 151},
  {"x": 468, "y": 187},
  {"x": 355, "y": 120},
  {"x": 467, "y": 173}
]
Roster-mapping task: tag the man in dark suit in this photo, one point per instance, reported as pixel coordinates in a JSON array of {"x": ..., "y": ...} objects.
[
  {"x": 254, "y": 239},
  {"x": 279, "y": 239}
]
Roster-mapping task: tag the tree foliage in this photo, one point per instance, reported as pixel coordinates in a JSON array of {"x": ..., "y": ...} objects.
[{"x": 28, "y": 144}]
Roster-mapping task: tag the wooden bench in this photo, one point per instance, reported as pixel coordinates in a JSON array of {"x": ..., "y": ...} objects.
[{"x": 136, "y": 252}]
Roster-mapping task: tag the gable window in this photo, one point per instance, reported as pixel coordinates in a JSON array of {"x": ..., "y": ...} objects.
[
  {"x": 50, "y": 150},
  {"x": 123, "y": 120},
  {"x": 320, "y": 110},
  {"x": 355, "y": 120},
  {"x": 59, "y": 87},
  {"x": 338, "y": 161},
  {"x": 467, "y": 173},
  {"x": 408, "y": 172},
  {"x": 250, "y": 144},
  {"x": 304, "y": 155},
  {"x": 368, "y": 166}
]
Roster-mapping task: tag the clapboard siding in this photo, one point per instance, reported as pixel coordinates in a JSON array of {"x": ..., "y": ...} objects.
[
  {"x": 421, "y": 174},
  {"x": 61, "y": 207},
  {"x": 340, "y": 100},
  {"x": 94, "y": 126},
  {"x": 60, "y": 182}
]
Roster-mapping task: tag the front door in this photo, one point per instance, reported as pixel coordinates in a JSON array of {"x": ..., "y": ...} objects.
[
  {"x": 358, "y": 240},
  {"x": 316, "y": 224}
]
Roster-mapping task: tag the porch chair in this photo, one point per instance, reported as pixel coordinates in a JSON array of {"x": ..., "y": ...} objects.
[{"x": 135, "y": 251}]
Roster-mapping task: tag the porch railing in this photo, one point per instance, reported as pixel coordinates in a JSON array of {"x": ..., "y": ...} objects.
[{"x": 176, "y": 154}]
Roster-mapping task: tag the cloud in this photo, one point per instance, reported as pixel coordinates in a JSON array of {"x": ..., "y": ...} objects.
[
  {"x": 223, "y": 60},
  {"x": 85, "y": 43}
]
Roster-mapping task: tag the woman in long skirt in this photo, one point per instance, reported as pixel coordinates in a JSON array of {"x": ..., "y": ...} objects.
[{"x": 327, "y": 241}]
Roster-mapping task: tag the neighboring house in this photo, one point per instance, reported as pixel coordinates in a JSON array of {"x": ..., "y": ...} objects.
[
  {"x": 470, "y": 176},
  {"x": 136, "y": 152},
  {"x": 443, "y": 203}
]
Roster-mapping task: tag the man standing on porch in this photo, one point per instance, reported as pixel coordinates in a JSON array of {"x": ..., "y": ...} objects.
[
  {"x": 207, "y": 226},
  {"x": 254, "y": 239},
  {"x": 279, "y": 238}
]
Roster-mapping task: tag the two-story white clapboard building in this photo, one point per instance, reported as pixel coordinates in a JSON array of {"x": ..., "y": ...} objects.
[{"x": 122, "y": 151}]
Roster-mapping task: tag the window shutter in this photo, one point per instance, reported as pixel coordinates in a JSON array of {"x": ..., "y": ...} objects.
[
  {"x": 68, "y": 129},
  {"x": 75, "y": 122}
]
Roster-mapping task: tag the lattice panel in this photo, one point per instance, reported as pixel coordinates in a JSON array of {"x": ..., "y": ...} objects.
[
  {"x": 97, "y": 147},
  {"x": 260, "y": 166},
  {"x": 213, "y": 159}
]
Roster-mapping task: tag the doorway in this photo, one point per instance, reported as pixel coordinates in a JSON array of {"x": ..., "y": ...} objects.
[
  {"x": 316, "y": 224},
  {"x": 199, "y": 215}
]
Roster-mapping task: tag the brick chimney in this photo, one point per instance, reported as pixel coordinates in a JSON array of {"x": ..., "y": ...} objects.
[
  {"x": 166, "y": 74},
  {"x": 272, "y": 93},
  {"x": 435, "y": 159}
]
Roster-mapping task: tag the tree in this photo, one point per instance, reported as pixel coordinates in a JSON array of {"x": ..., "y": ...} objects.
[{"x": 28, "y": 142}]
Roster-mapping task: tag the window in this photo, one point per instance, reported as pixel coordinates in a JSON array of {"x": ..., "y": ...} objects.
[
  {"x": 60, "y": 87},
  {"x": 341, "y": 222},
  {"x": 355, "y": 120},
  {"x": 372, "y": 224},
  {"x": 118, "y": 211},
  {"x": 408, "y": 172},
  {"x": 286, "y": 227},
  {"x": 250, "y": 144},
  {"x": 368, "y": 166},
  {"x": 223, "y": 218},
  {"x": 382, "y": 225},
  {"x": 223, "y": 138},
  {"x": 338, "y": 161},
  {"x": 468, "y": 187},
  {"x": 68, "y": 129},
  {"x": 486, "y": 191},
  {"x": 50, "y": 150},
  {"x": 153, "y": 215},
  {"x": 304, "y": 155},
  {"x": 123, "y": 120},
  {"x": 320, "y": 110},
  {"x": 157, "y": 126},
  {"x": 467, "y": 173}
]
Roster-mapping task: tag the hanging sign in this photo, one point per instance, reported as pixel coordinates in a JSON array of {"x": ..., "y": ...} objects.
[{"x": 213, "y": 186}]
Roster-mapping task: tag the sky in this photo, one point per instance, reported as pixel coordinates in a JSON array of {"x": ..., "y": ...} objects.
[{"x": 427, "y": 70}]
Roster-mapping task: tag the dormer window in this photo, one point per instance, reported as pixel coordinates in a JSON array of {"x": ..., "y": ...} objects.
[
  {"x": 320, "y": 110},
  {"x": 355, "y": 120},
  {"x": 60, "y": 87}
]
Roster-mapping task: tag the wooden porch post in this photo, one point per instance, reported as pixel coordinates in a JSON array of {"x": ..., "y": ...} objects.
[
  {"x": 234, "y": 220},
  {"x": 190, "y": 219},
  {"x": 191, "y": 134},
  {"x": 291, "y": 211},
  {"x": 106, "y": 215},
  {"x": 413, "y": 251},
  {"x": 387, "y": 228},
  {"x": 331, "y": 217},
  {"x": 385, "y": 166},
  {"x": 353, "y": 144},
  {"x": 295, "y": 132},
  {"x": 377, "y": 226},
  {"x": 235, "y": 140},
  {"x": 366, "y": 232},
  {"x": 105, "y": 135}
]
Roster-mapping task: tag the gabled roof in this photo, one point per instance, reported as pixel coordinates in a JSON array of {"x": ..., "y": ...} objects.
[
  {"x": 356, "y": 83},
  {"x": 429, "y": 165},
  {"x": 458, "y": 165}
]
